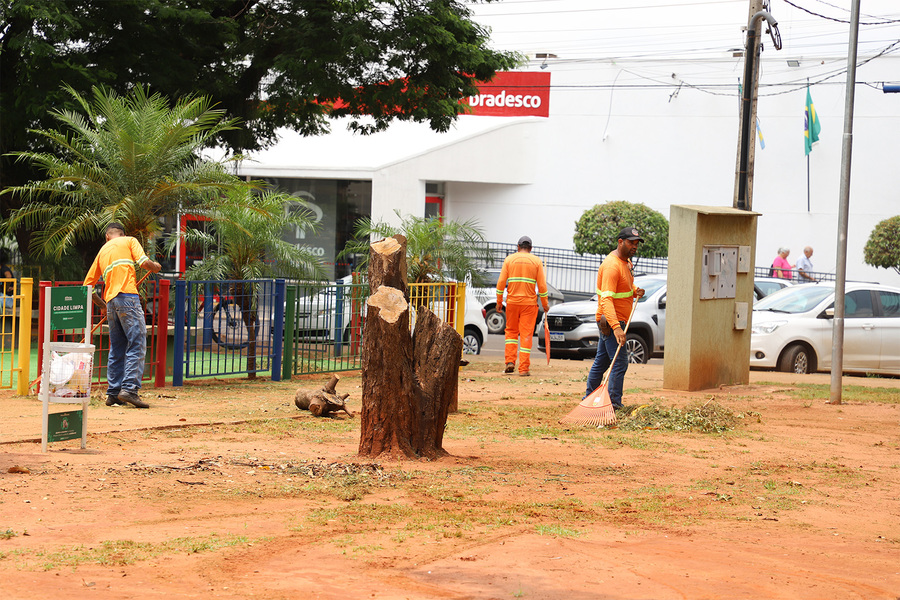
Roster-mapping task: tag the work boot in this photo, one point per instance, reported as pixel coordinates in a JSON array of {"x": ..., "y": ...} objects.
[
  {"x": 510, "y": 367},
  {"x": 132, "y": 398},
  {"x": 525, "y": 374},
  {"x": 113, "y": 401}
]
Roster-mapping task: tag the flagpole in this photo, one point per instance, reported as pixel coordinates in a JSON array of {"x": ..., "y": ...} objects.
[{"x": 807, "y": 154}]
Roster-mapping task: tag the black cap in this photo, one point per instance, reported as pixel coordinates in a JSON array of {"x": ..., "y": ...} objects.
[
  {"x": 524, "y": 240},
  {"x": 630, "y": 233}
]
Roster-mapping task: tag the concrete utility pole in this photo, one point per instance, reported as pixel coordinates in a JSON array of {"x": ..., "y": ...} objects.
[
  {"x": 747, "y": 151},
  {"x": 840, "y": 274},
  {"x": 743, "y": 197}
]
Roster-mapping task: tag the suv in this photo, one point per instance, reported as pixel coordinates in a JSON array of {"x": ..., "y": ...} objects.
[
  {"x": 496, "y": 321},
  {"x": 574, "y": 333}
]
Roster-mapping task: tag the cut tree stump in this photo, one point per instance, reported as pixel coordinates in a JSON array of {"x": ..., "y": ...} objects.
[
  {"x": 322, "y": 402},
  {"x": 408, "y": 384}
]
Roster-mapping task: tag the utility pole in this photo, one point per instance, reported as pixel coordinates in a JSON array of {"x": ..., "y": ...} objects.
[
  {"x": 840, "y": 280},
  {"x": 743, "y": 184}
]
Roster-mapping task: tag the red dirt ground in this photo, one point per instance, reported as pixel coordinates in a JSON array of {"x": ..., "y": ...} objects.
[{"x": 800, "y": 501}]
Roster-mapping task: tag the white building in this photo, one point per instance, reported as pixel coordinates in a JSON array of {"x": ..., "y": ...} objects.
[{"x": 660, "y": 130}]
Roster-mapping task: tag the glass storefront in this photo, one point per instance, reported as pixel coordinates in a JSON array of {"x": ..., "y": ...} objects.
[{"x": 337, "y": 205}]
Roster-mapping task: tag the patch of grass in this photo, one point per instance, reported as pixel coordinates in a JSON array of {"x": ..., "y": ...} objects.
[
  {"x": 556, "y": 531},
  {"x": 849, "y": 393},
  {"x": 124, "y": 552},
  {"x": 7, "y": 534},
  {"x": 658, "y": 505}
]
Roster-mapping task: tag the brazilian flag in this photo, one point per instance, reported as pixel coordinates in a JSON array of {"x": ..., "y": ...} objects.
[{"x": 811, "y": 125}]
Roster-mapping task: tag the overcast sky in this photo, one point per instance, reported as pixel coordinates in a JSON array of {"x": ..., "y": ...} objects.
[{"x": 705, "y": 30}]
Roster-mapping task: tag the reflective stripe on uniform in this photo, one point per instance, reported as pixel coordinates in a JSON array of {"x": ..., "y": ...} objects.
[
  {"x": 627, "y": 294},
  {"x": 118, "y": 263},
  {"x": 525, "y": 350}
]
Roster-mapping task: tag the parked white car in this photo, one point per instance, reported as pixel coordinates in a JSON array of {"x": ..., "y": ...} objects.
[{"x": 792, "y": 329}]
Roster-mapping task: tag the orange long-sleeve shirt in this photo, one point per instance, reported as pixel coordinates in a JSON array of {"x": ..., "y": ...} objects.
[
  {"x": 615, "y": 290},
  {"x": 520, "y": 274},
  {"x": 115, "y": 263}
]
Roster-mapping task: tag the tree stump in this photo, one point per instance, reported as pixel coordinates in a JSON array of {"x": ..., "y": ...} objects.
[
  {"x": 322, "y": 403},
  {"x": 408, "y": 385}
]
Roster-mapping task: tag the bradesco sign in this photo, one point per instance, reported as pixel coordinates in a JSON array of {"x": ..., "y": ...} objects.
[{"x": 513, "y": 94}]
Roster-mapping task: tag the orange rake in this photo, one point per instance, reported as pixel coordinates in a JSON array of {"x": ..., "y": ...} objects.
[
  {"x": 547, "y": 338},
  {"x": 596, "y": 410}
]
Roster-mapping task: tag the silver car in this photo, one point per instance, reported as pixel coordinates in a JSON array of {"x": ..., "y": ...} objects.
[{"x": 792, "y": 329}]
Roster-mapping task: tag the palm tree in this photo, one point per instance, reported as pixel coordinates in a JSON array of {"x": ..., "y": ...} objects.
[
  {"x": 244, "y": 243},
  {"x": 129, "y": 159},
  {"x": 436, "y": 249}
]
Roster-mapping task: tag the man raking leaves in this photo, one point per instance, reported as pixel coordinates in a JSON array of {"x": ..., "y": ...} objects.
[{"x": 616, "y": 298}]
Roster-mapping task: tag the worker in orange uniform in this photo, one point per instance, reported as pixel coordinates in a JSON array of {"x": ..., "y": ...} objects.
[
  {"x": 115, "y": 263},
  {"x": 520, "y": 274}
]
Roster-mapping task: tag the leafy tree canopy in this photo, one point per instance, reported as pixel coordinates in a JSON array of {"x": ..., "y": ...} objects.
[
  {"x": 435, "y": 248},
  {"x": 268, "y": 63},
  {"x": 597, "y": 229},
  {"x": 883, "y": 249}
]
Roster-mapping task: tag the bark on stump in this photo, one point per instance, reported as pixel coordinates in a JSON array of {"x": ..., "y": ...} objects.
[
  {"x": 408, "y": 384},
  {"x": 322, "y": 402}
]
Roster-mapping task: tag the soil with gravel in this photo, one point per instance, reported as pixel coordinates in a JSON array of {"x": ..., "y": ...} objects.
[{"x": 224, "y": 489}]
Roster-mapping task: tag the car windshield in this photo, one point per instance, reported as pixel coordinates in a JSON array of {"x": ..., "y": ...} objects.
[
  {"x": 794, "y": 299},
  {"x": 650, "y": 286}
]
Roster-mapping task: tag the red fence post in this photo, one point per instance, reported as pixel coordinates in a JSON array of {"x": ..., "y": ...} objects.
[{"x": 42, "y": 287}]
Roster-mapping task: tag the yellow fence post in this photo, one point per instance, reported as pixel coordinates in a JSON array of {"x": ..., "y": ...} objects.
[
  {"x": 460, "y": 320},
  {"x": 25, "y": 323}
]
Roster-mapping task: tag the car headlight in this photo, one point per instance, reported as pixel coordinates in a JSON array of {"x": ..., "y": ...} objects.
[
  {"x": 591, "y": 318},
  {"x": 767, "y": 327}
]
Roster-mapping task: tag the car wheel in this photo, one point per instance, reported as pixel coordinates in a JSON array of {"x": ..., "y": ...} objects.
[
  {"x": 472, "y": 341},
  {"x": 636, "y": 348},
  {"x": 796, "y": 359},
  {"x": 496, "y": 321}
]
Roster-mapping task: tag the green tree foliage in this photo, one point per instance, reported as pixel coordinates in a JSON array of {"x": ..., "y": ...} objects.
[
  {"x": 129, "y": 159},
  {"x": 435, "y": 248},
  {"x": 268, "y": 63},
  {"x": 883, "y": 248},
  {"x": 597, "y": 229}
]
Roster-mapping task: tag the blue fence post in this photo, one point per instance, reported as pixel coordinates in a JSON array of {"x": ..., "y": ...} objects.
[
  {"x": 278, "y": 330},
  {"x": 180, "y": 311}
]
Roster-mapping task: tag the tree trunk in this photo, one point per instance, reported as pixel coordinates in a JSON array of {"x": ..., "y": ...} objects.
[
  {"x": 436, "y": 350},
  {"x": 389, "y": 395},
  {"x": 408, "y": 384}
]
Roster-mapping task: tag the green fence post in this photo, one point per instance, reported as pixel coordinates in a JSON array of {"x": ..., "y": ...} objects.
[{"x": 287, "y": 360}]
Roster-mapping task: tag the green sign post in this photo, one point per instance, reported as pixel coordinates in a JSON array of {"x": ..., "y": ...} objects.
[
  {"x": 66, "y": 366},
  {"x": 68, "y": 306}
]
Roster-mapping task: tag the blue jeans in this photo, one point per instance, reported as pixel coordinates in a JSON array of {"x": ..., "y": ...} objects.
[
  {"x": 127, "y": 344},
  {"x": 606, "y": 349}
]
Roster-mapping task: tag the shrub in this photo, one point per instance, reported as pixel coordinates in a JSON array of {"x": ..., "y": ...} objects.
[{"x": 597, "y": 229}]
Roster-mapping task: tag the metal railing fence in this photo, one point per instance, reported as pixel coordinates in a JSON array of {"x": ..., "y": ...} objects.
[
  {"x": 227, "y": 328},
  {"x": 575, "y": 275},
  {"x": 324, "y": 322}
]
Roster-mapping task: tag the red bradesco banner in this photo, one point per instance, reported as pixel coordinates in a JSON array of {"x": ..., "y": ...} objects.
[{"x": 513, "y": 94}]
